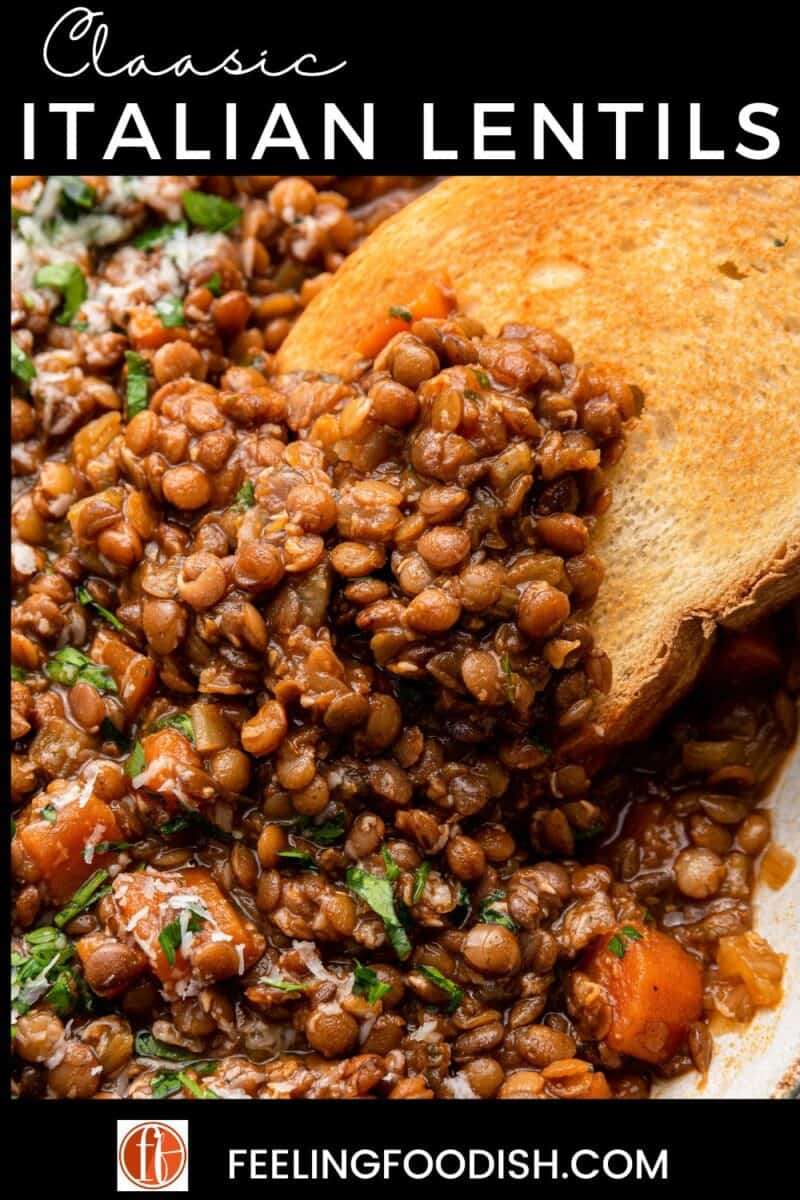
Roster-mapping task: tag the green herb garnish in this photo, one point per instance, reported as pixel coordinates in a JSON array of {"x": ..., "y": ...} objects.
[
  {"x": 180, "y": 721},
  {"x": 510, "y": 681},
  {"x": 392, "y": 869},
  {"x": 42, "y": 971},
  {"x": 214, "y": 284},
  {"x": 246, "y": 495},
  {"x": 193, "y": 820},
  {"x": 454, "y": 992},
  {"x": 378, "y": 894},
  {"x": 69, "y": 666},
  {"x": 49, "y": 814},
  {"x": 298, "y": 858},
  {"x": 18, "y": 675},
  {"x": 136, "y": 391},
  {"x": 87, "y": 895},
  {"x": 284, "y": 985},
  {"x": 170, "y": 310},
  {"x": 618, "y": 943},
  {"x": 171, "y": 935},
  {"x": 85, "y": 598},
  {"x": 167, "y": 1083},
  {"x": 489, "y": 915},
  {"x": 367, "y": 984},
  {"x": 420, "y": 879},
  {"x": 214, "y": 213},
  {"x": 402, "y": 314},
  {"x": 76, "y": 191},
  {"x": 21, "y": 364},
  {"x": 104, "y": 848},
  {"x": 137, "y": 761},
  {"x": 483, "y": 379},
  {"x": 151, "y": 1047},
  {"x": 327, "y": 833},
  {"x": 67, "y": 278},
  {"x": 154, "y": 237}
]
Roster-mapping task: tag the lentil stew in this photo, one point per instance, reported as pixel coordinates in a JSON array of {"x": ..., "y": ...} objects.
[{"x": 294, "y": 663}]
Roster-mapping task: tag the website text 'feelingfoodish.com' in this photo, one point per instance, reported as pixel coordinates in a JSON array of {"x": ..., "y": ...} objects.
[{"x": 514, "y": 1164}]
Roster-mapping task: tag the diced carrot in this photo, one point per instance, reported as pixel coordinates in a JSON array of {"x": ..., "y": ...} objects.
[
  {"x": 597, "y": 1088},
  {"x": 146, "y": 330},
  {"x": 654, "y": 986},
  {"x": 148, "y": 901},
  {"x": 748, "y": 957},
  {"x": 57, "y": 847},
  {"x": 431, "y": 302},
  {"x": 134, "y": 674},
  {"x": 174, "y": 768}
]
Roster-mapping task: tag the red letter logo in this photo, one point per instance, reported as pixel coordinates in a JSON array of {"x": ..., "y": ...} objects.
[{"x": 152, "y": 1156}]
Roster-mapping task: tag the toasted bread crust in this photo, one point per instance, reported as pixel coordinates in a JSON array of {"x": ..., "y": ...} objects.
[{"x": 690, "y": 287}]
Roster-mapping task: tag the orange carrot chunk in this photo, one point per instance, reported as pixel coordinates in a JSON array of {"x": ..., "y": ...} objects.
[
  {"x": 60, "y": 841},
  {"x": 431, "y": 302},
  {"x": 134, "y": 674},
  {"x": 654, "y": 986},
  {"x": 189, "y": 931}
]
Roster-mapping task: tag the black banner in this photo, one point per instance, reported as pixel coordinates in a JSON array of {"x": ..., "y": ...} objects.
[
  {"x": 559, "y": 1147},
  {"x": 118, "y": 88}
]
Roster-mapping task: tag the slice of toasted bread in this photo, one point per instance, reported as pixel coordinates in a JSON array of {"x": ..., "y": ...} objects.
[{"x": 691, "y": 286}]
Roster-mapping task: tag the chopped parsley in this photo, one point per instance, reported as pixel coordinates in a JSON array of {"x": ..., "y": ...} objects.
[
  {"x": 367, "y": 984},
  {"x": 49, "y": 814},
  {"x": 87, "y": 895},
  {"x": 18, "y": 675},
  {"x": 214, "y": 213},
  {"x": 85, "y": 598},
  {"x": 402, "y": 314},
  {"x": 214, "y": 284},
  {"x": 104, "y": 848},
  {"x": 167, "y": 1083},
  {"x": 171, "y": 935},
  {"x": 284, "y": 985},
  {"x": 154, "y": 237},
  {"x": 392, "y": 869},
  {"x": 378, "y": 894},
  {"x": 510, "y": 681},
  {"x": 69, "y": 666},
  {"x": 453, "y": 991},
  {"x": 489, "y": 915},
  {"x": 197, "y": 1090},
  {"x": 246, "y": 495},
  {"x": 192, "y": 820},
  {"x": 152, "y": 1047},
  {"x": 483, "y": 379},
  {"x": 328, "y": 832},
  {"x": 420, "y": 879},
  {"x": 170, "y": 310},
  {"x": 180, "y": 721},
  {"x": 21, "y": 364},
  {"x": 42, "y": 970},
  {"x": 299, "y": 858},
  {"x": 67, "y": 278},
  {"x": 136, "y": 390},
  {"x": 618, "y": 943},
  {"x": 137, "y": 761},
  {"x": 78, "y": 193}
]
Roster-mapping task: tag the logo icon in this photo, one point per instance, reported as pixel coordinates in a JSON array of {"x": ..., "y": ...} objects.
[{"x": 152, "y": 1156}]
